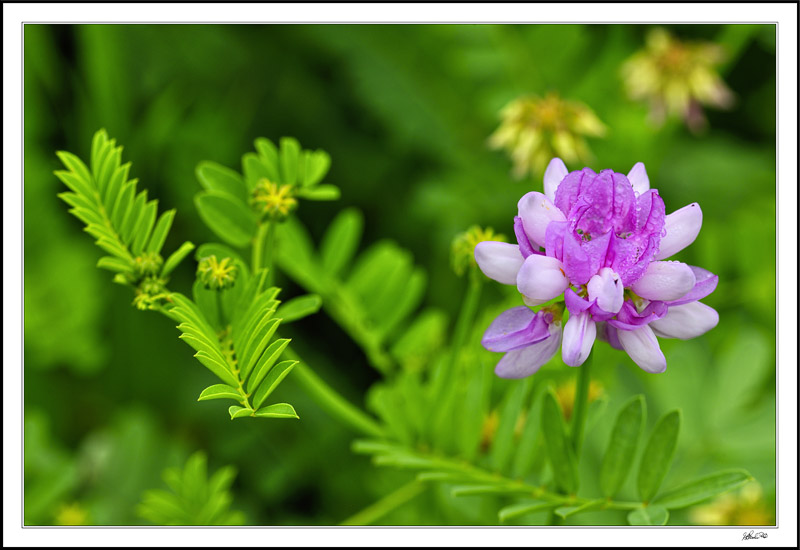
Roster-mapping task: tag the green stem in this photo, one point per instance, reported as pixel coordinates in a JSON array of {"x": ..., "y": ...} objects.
[
  {"x": 464, "y": 323},
  {"x": 580, "y": 403},
  {"x": 478, "y": 475},
  {"x": 376, "y": 511},
  {"x": 264, "y": 248},
  {"x": 331, "y": 401}
]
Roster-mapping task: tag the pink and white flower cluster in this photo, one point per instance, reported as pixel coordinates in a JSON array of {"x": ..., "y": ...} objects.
[{"x": 598, "y": 243}]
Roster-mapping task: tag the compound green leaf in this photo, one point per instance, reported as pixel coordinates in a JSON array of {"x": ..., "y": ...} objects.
[
  {"x": 622, "y": 446},
  {"x": 657, "y": 456},
  {"x": 290, "y": 158},
  {"x": 220, "y": 391},
  {"x": 560, "y": 452},
  {"x": 176, "y": 258},
  {"x": 229, "y": 218},
  {"x": 160, "y": 232},
  {"x": 316, "y": 166},
  {"x": 703, "y": 489},
  {"x": 278, "y": 410},
  {"x": 516, "y": 510},
  {"x": 239, "y": 412},
  {"x": 215, "y": 177},
  {"x": 299, "y": 307},
  {"x": 649, "y": 515},
  {"x": 324, "y": 192},
  {"x": 273, "y": 378},
  {"x": 341, "y": 240}
]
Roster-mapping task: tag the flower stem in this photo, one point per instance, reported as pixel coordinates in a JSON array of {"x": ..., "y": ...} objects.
[
  {"x": 465, "y": 319},
  {"x": 376, "y": 511},
  {"x": 581, "y": 404},
  {"x": 331, "y": 401},
  {"x": 264, "y": 248}
]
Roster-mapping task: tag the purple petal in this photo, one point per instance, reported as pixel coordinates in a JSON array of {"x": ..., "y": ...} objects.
[
  {"x": 583, "y": 259},
  {"x": 541, "y": 278},
  {"x": 570, "y": 188},
  {"x": 579, "y": 335},
  {"x": 537, "y": 211},
  {"x": 629, "y": 318},
  {"x": 705, "y": 285},
  {"x": 686, "y": 321},
  {"x": 606, "y": 288},
  {"x": 650, "y": 214},
  {"x": 606, "y": 203},
  {"x": 575, "y": 304},
  {"x": 516, "y": 328},
  {"x": 607, "y": 333},
  {"x": 665, "y": 281},
  {"x": 499, "y": 261},
  {"x": 638, "y": 178},
  {"x": 555, "y": 172},
  {"x": 642, "y": 346},
  {"x": 599, "y": 314},
  {"x": 525, "y": 247},
  {"x": 526, "y": 361},
  {"x": 554, "y": 239},
  {"x": 682, "y": 228}
]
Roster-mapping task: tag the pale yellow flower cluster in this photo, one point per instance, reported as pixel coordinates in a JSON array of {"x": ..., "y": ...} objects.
[
  {"x": 677, "y": 78},
  {"x": 744, "y": 507},
  {"x": 534, "y": 130},
  {"x": 463, "y": 247}
]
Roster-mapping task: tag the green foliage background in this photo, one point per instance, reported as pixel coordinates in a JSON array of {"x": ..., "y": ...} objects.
[{"x": 404, "y": 111}]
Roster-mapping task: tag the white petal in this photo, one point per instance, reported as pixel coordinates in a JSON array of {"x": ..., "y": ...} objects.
[
  {"x": 579, "y": 334},
  {"x": 638, "y": 178},
  {"x": 682, "y": 227},
  {"x": 555, "y": 172},
  {"x": 665, "y": 281},
  {"x": 686, "y": 321},
  {"x": 606, "y": 287},
  {"x": 499, "y": 261},
  {"x": 642, "y": 346},
  {"x": 541, "y": 278},
  {"x": 537, "y": 211},
  {"x": 526, "y": 361}
]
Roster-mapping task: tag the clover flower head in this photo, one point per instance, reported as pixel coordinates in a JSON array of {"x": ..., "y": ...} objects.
[
  {"x": 534, "y": 130},
  {"x": 595, "y": 246},
  {"x": 276, "y": 201},
  {"x": 147, "y": 263},
  {"x": 216, "y": 274},
  {"x": 677, "y": 78},
  {"x": 463, "y": 247},
  {"x": 150, "y": 292}
]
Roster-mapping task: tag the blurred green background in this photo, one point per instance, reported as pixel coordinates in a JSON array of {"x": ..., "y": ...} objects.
[{"x": 405, "y": 112}]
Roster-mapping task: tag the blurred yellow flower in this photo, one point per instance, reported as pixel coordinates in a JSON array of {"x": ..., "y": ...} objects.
[
  {"x": 676, "y": 78},
  {"x": 216, "y": 274},
  {"x": 272, "y": 199},
  {"x": 463, "y": 248},
  {"x": 744, "y": 507},
  {"x": 534, "y": 130},
  {"x": 565, "y": 393},
  {"x": 71, "y": 514}
]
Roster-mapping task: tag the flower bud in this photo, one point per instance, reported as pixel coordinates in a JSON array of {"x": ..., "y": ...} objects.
[
  {"x": 462, "y": 252},
  {"x": 216, "y": 274},
  {"x": 273, "y": 200}
]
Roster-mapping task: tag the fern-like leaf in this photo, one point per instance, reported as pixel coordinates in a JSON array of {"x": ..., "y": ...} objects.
[
  {"x": 371, "y": 301},
  {"x": 193, "y": 498},
  {"x": 238, "y": 344},
  {"x": 122, "y": 220}
]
